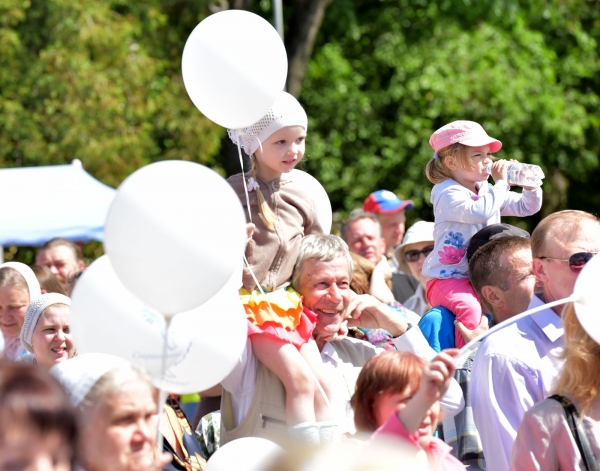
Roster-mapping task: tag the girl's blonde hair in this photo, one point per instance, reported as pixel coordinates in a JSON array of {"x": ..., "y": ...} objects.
[
  {"x": 580, "y": 375},
  {"x": 264, "y": 210},
  {"x": 437, "y": 170}
]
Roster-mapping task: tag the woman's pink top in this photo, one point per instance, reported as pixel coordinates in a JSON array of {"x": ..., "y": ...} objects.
[{"x": 438, "y": 451}]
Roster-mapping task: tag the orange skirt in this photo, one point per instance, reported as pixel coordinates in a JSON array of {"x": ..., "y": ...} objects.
[{"x": 278, "y": 314}]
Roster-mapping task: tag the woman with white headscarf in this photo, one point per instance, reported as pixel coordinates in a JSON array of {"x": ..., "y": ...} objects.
[
  {"x": 18, "y": 287},
  {"x": 45, "y": 332},
  {"x": 117, "y": 413}
]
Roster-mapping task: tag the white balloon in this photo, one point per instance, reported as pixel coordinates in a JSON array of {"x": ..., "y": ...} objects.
[
  {"x": 320, "y": 196},
  {"x": 234, "y": 66},
  {"x": 203, "y": 345},
  {"x": 245, "y": 454},
  {"x": 206, "y": 342},
  {"x": 107, "y": 318},
  {"x": 175, "y": 233},
  {"x": 587, "y": 304}
]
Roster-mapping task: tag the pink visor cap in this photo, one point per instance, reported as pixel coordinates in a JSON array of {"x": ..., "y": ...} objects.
[{"x": 468, "y": 133}]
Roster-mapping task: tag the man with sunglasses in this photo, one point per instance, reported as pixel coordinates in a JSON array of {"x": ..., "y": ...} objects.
[
  {"x": 565, "y": 242},
  {"x": 515, "y": 367}
]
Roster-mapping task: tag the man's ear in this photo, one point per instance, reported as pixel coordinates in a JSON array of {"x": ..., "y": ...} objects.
[
  {"x": 81, "y": 264},
  {"x": 493, "y": 295},
  {"x": 539, "y": 270}
]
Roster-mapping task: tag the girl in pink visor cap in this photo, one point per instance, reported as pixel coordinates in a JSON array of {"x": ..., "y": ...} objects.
[{"x": 463, "y": 203}]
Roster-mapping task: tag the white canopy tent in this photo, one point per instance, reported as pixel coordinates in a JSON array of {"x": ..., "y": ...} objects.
[{"x": 40, "y": 203}]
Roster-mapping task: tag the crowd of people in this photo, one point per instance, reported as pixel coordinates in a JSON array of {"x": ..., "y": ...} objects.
[{"x": 350, "y": 339}]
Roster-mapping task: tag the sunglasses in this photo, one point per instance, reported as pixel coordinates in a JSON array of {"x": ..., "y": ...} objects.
[
  {"x": 576, "y": 261},
  {"x": 413, "y": 255}
]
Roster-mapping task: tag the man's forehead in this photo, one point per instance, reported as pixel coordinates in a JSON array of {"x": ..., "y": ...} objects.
[
  {"x": 397, "y": 216},
  {"x": 363, "y": 226},
  {"x": 586, "y": 237},
  {"x": 325, "y": 268},
  {"x": 59, "y": 252}
]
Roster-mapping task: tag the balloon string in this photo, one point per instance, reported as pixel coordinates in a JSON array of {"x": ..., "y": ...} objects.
[
  {"x": 162, "y": 394},
  {"x": 255, "y": 280},
  {"x": 469, "y": 347},
  {"x": 321, "y": 390},
  {"x": 237, "y": 139}
]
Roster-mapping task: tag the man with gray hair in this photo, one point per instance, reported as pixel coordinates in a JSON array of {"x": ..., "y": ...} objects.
[
  {"x": 253, "y": 401},
  {"x": 364, "y": 236}
]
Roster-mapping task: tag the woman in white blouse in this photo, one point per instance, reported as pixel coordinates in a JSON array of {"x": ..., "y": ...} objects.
[{"x": 544, "y": 439}]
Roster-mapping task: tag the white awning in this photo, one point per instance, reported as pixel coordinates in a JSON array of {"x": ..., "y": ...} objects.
[{"x": 40, "y": 203}]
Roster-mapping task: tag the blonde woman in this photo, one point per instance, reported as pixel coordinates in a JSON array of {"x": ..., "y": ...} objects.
[{"x": 545, "y": 440}]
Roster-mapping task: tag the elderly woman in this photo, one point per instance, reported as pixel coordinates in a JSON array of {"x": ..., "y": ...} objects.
[
  {"x": 563, "y": 431},
  {"x": 37, "y": 423},
  {"x": 45, "y": 332},
  {"x": 18, "y": 287},
  {"x": 417, "y": 244},
  {"x": 117, "y": 413}
]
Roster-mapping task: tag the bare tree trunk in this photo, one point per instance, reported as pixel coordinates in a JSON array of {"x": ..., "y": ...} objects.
[{"x": 303, "y": 26}]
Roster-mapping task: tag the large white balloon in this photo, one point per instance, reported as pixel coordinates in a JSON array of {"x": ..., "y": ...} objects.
[
  {"x": 234, "y": 66},
  {"x": 210, "y": 341},
  {"x": 320, "y": 196},
  {"x": 245, "y": 454},
  {"x": 107, "y": 318},
  {"x": 587, "y": 303},
  {"x": 174, "y": 233},
  {"x": 203, "y": 345}
]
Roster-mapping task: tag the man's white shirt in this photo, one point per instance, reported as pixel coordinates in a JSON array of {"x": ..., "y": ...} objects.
[{"x": 241, "y": 382}]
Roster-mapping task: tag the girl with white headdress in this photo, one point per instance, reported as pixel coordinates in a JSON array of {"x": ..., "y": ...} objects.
[
  {"x": 282, "y": 213},
  {"x": 18, "y": 287},
  {"x": 46, "y": 333}
]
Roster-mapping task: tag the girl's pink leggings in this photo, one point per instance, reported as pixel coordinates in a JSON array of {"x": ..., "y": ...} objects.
[{"x": 458, "y": 296}]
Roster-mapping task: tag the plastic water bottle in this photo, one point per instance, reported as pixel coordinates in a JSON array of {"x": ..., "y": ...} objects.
[{"x": 519, "y": 174}]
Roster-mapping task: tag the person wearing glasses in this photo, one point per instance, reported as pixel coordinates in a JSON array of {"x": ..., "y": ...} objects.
[
  {"x": 516, "y": 367},
  {"x": 417, "y": 244}
]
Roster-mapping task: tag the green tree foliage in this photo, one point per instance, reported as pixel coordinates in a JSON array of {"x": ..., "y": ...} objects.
[
  {"x": 384, "y": 75},
  {"x": 98, "y": 81}
]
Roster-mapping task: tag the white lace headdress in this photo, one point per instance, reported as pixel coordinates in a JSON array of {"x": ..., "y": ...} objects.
[{"x": 286, "y": 111}]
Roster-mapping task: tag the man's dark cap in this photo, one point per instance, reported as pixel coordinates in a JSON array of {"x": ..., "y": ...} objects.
[{"x": 495, "y": 231}]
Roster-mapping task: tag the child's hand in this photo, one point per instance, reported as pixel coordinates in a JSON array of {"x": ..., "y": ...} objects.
[
  {"x": 435, "y": 380},
  {"x": 437, "y": 375},
  {"x": 249, "y": 231},
  {"x": 500, "y": 170},
  {"x": 468, "y": 334}
]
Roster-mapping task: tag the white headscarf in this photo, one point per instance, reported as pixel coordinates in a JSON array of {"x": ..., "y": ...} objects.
[
  {"x": 32, "y": 282},
  {"x": 286, "y": 111},
  {"x": 12, "y": 344},
  {"x": 79, "y": 375},
  {"x": 34, "y": 311}
]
